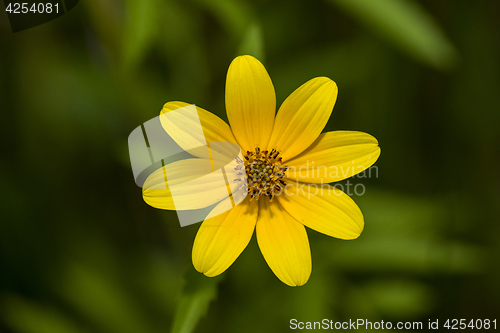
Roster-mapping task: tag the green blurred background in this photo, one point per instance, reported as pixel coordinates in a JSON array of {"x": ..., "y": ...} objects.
[{"x": 81, "y": 252}]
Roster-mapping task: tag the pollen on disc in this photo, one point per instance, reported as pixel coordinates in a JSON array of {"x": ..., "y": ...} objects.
[{"x": 264, "y": 171}]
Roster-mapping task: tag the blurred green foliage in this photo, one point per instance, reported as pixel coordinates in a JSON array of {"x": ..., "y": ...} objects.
[{"x": 81, "y": 252}]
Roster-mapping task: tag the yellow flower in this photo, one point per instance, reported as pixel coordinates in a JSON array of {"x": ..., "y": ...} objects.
[{"x": 292, "y": 147}]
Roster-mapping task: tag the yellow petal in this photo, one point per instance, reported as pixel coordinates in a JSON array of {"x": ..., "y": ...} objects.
[
  {"x": 302, "y": 116},
  {"x": 334, "y": 156},
  {"x": 284, "y": 244},
  {"x": 193, "y": 183},
  {"x": 222, "y": 238},
  {"x": 250, "y": 102},
  {"x": 184, "y": 128},
  {"x": 323, "y": 208}
]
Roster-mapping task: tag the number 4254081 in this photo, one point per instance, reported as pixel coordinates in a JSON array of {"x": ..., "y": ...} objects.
[
  {"x": 36, "y": 8},
  {"x": 461, "y": 324}
]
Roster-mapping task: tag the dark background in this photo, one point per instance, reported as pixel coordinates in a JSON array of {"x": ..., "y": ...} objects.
[{"x": 81, "y": 252}]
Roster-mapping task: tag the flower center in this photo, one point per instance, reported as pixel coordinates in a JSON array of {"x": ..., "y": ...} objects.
[{"x": 264, "y": 173}]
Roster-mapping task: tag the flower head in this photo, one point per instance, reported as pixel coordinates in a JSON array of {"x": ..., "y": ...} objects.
[{"x": 287, "y": 163}]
